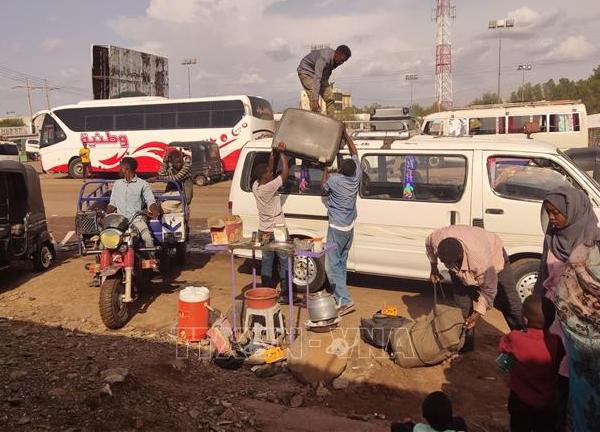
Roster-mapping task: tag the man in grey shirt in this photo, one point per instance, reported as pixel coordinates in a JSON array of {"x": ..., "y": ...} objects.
[
  {"x": 314, "y": 72},
  {"x": 128, "y": 197},
  {"x": 268, "y": 203}
]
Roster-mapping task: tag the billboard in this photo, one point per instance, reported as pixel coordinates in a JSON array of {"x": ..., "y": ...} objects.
[{"x": 119, "y": 72}]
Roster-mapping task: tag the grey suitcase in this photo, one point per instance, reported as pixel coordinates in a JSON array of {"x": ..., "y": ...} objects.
[{"x": 309, "y": 135}]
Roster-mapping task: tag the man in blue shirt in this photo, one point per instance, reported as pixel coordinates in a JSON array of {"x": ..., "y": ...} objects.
[
  {"x": 128, "y": 196},
  {"x": 341, "y": 190}
]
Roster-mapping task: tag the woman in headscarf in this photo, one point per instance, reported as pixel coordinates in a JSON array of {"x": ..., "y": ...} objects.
[{"x": 569, "y": 277}]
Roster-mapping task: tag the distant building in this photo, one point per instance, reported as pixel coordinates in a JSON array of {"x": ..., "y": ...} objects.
[{"x": 343, "y": 100}]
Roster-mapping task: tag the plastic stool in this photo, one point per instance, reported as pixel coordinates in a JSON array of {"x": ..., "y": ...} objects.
[{"x": 267, "y": 324}]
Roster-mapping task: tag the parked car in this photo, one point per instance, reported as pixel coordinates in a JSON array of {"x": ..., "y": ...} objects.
[
  {"x": 497, "y": 184},
  {"x": 32, "y": 148},
  {"x": 205, "y": 159},
  {"x": 9, "y": 151}
]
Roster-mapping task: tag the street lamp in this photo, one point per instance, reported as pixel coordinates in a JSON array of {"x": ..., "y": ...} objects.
[
  {"x": 411, "y": 78},
  {"x": 523, "y": 67},
  {"x": 189, "y": 62},
  {"x": 499, "y": 25}
]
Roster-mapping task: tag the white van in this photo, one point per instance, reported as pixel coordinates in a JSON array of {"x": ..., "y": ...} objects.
[
  {"x": 494, "y": 183},
  {"x": 563, "y": 123}
]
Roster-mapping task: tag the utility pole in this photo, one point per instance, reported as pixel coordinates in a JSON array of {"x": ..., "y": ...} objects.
[
  {"x": 500, "y": 24},
  {"x": 189, "y": 62},
  {"x": 411, "y": 78},
  {"x": 523, "y": 67},
  {"x": 28, "y": 87},
  {"x": 47, "y": 94},
  {"x": 46, "y": 88}
]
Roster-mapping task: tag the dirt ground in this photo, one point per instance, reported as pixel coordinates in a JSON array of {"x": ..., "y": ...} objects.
[{"x": 53, "y": 349}]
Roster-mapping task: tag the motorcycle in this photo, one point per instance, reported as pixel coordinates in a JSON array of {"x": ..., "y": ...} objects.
[{"x": 123, "y": 268}]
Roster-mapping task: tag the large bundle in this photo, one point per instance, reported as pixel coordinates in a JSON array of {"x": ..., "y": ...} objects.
[
  {"x": 429, "y": 340},
  {"x": 309, "y": 135}
]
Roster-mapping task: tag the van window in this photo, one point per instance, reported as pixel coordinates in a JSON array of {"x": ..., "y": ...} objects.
[
  {"x": 431, "y": 178},
  {"x": 564, "y": 122},
  {"x": 525, "y": 178},
  {"x": 517, "y": 123},
  {"x": 303, "y": 179},
  {"x": 486, "y": 125},
  {"x": 433, "y": 127}
]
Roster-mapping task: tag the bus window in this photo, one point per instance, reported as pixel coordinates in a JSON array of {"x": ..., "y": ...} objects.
[
  {"x": 261, "y": 108},
  {"x": 51, "y": 132}
]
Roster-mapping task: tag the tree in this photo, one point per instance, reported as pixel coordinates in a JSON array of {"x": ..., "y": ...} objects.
[
  {"x": 12, "y": 122},
  {"x": 486, "y": 99}
]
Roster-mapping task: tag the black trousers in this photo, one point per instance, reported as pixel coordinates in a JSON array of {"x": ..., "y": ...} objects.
[
  {"x": 524, "y": 418},
  {"x": 507, "y": 300}
]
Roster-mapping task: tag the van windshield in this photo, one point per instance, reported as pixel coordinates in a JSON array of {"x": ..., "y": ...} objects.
[{"x": 585, "y": 173}]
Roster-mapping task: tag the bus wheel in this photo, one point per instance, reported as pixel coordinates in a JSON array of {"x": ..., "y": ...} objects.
[{"x": 76, "y": 169}]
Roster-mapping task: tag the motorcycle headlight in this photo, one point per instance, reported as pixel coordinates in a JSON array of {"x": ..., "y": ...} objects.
[{"x": 110, "y": 238}]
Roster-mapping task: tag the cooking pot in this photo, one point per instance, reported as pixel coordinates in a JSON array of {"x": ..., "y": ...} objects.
[{"x": 321, "y": 307}]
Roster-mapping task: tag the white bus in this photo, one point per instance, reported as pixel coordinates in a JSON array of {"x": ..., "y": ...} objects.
[
  {"x": 562, "y": 123},
  {"x": 142, "y": 127}
]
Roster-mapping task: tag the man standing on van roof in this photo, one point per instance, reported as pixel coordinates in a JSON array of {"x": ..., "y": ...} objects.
[
  {"x": 314, "y": 72},
  {"x": 268, "y": 204},
  {"x": 481, "y": 274},
  {"x": 341, "y": 190}
]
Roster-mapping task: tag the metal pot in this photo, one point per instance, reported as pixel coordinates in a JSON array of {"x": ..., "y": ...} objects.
[{"x": 321, "y": 307}]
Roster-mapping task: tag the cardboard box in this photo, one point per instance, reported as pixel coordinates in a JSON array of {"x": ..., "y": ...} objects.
[{"x": 226, "y": 230}]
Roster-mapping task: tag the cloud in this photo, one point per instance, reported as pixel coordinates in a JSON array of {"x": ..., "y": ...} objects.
[
  {"x": 164, "y": 10},
  {"x": 69, "y": 73},
  {"x": 525, "y": 17},
  {"x": 573, "y": 48},
  {"x": 52, "y": 44},
  {"x": 279, "y": 50},
  {"x": 250, "y": 79},
  {"x": 151, "y": 47}
]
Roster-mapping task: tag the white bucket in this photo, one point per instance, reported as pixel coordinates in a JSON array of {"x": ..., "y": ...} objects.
[{"x": 193, "y": 294}]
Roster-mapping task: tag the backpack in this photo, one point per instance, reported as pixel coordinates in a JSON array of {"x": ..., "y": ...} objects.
[
  {"x": 429, "y": 340},
  {"x": 377, "y": 330}
]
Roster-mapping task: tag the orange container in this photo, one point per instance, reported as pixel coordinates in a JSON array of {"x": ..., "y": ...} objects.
[
  {"x": 193, "y": 313},
  {"x": 260, "y": 298}
]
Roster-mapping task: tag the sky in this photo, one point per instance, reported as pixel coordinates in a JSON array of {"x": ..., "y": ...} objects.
[{"x": 254, "y": 46}]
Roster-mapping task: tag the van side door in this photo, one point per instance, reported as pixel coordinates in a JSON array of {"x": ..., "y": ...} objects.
[{"x": 403, "y": 198}]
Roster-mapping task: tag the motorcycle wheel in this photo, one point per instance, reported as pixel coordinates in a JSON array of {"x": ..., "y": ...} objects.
[{"x": 113, "y": 311}]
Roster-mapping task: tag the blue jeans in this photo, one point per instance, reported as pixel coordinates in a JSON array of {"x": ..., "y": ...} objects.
[
  {"x": 266, "y": 267},
  {"x": 335, "y": 263}
]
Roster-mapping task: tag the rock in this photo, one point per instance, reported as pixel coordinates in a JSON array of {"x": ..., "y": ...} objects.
[
  {"x": 311, "y": 359},
  {"x": 21, "y": 332},
  {"x": 139, "y": 423},
  {"x": 24, "y": 420},
  {"x": 322, "y": 391},
  {"x": 114, "y": 375},
  {"x": 178, "y": 364},
  {"x": 194, "y": 413},
  {"x": 72, "y": 376},
  {"x": 57, "y": 392},
  {"x": 17, "y": 375},
  {"x": 31, "y": 298},
  {"x": 226, "y": 404},
  {"x": 106, "y": 390},
  {"x": 266, "y": 371},
  {"x": 340, "y": 383},
  {"x": 361, "y": 417},
  {"x": 379, "y": 416},
  {"x": 296, "y": 401},
  {"x": 14, "y": 401}
]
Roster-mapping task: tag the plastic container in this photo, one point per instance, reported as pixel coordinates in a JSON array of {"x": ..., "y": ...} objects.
[
  {"x": 193, "y": 313},
  {"x": 260, "y": 298},
  {"x": 309, "y": 135}
]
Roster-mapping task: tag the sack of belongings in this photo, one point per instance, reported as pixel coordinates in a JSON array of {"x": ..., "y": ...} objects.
[
  {"x": 377, "y": 330},
  {"x": 429, "y": 340}
]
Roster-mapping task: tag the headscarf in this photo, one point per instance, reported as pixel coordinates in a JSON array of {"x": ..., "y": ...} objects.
[{"x": 582, "y": 223}]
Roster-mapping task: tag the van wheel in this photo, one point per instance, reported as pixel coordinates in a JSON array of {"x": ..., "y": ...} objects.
[
  {"x": 316, "y": 274},
  {"x": 526, "y": 274},
  {"x": 200, "y": 180},
  {"x": 76, "y": 169},
  {"x": 42, "y": 257}
]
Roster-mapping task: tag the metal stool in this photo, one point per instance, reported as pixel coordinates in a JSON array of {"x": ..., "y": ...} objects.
[{"x": 266, "y": 324}]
